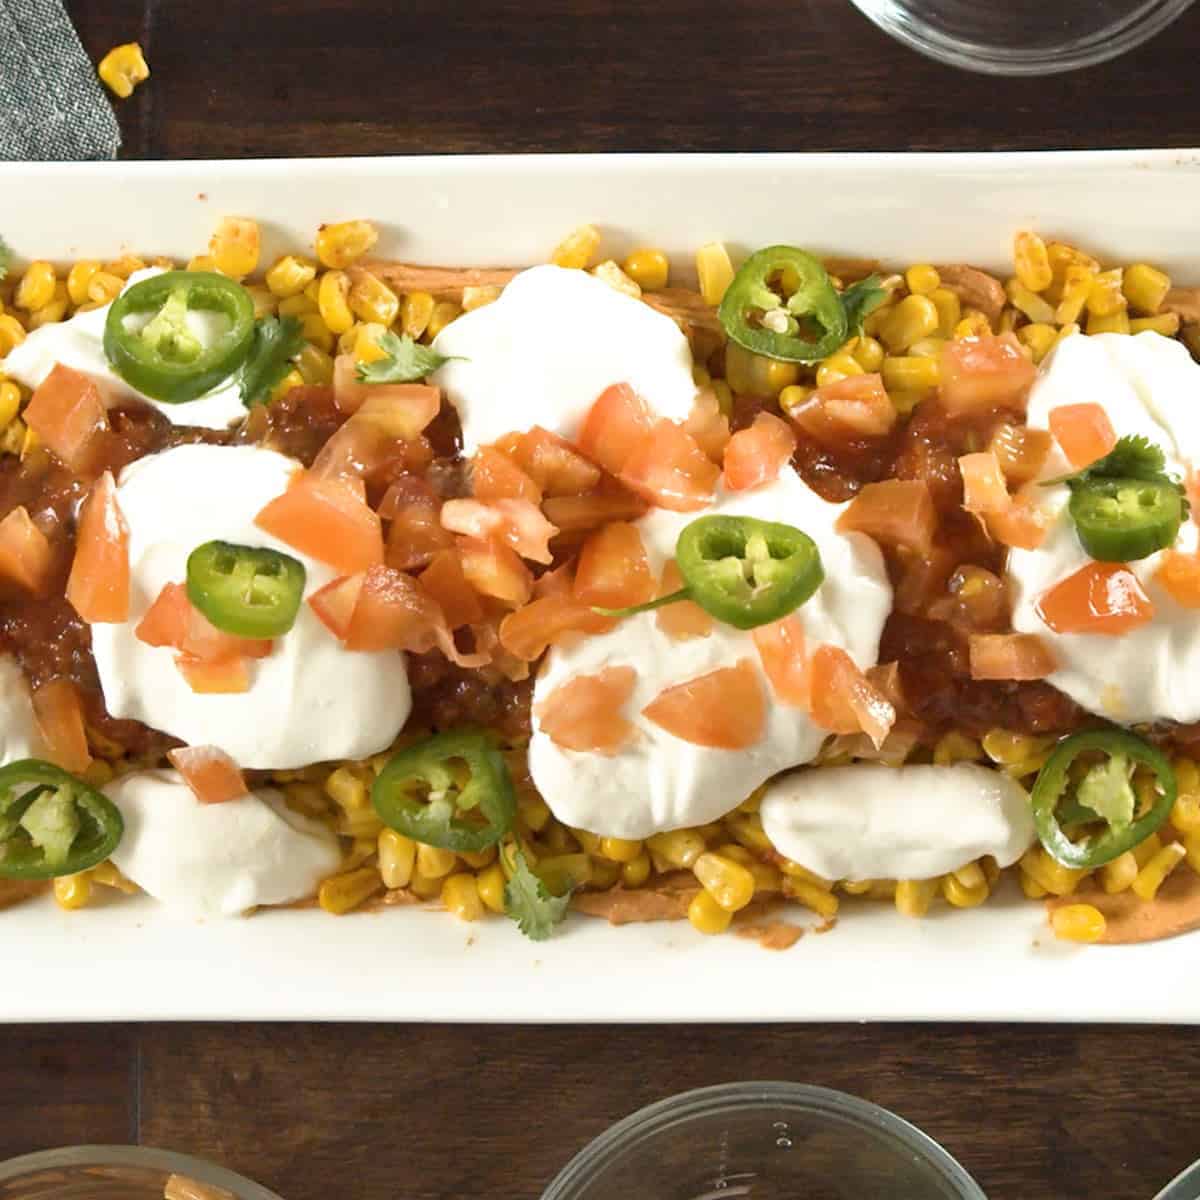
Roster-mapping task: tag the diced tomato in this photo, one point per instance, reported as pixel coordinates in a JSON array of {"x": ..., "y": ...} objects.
[
  {"x": 404, "y": 491},
  {"x": 444, "y": 580},
  {"x": 708, "y": 425},
  {"x": 1021, "y": 451},
  {"x": 1083, "y": 431},
  {"x": 327, "y": 520},
  {"x": 684, "y": 619},
  {"x": 67, "y": 413},
  {"x": 172, "y": 621},
  {"x": 401, "y": 411},
  {"x": 984, "y": 487},
  {"x": 59, "y": 715},
  {"x": 843, "y": 700},
  {"x": 1105, "y": 598},
  {"x": 979, "y": 374},
  {"x": 165, "y": 622},
  {"x": 348, "y": 390},
  {"x": 527, "y": 632},
  {"x": 211, "y": 774},
  {"x": 575, "y": 514},
  {"x": 393, "y": 612},
  {"x": 1179, "y": 574},
  {"x": 1022, "y": 525},
  {"x": 781, "y": 649},
  {"x": 725, "y": 709},
  {"x": 334, "y": 603},
  {"x": 25, "y": 554},
  {"x": 669, "y": 469},
  {"x": 895, "y": 512},
  {"x": 615, "y": 424},
  {"x": 98, "y": 587},
  {"x": 516, "y": 523},
  {"x": 221, "y": 677},
  {"x": 494, "y": 570},
  {"x": 415, "y": 534},
  {"x": 494, "y": 476},
  {"x": 353, "y": 453},
  {"x": 1010, "y": 656},
  {"x": 554, "y": 464},
  {"x": 584, "y": 714},
  {"x": 754, "y": 456},
  {"x": 613, "y": 571},
  {"x": 850, "y": 409},
  {"x": 559, "y": 582}
]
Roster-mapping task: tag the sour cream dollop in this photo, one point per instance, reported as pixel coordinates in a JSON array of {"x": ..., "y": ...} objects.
[
  {"x": 79, "y": 343},
  {"x": 217, "y": 859},
  {"x": 19, "y": 733},
  {"x": 309, "y": 700},
  {"x": 657, "y": 781},
  {"x": 544, "y": 351},
  {"x": 867, "y": 821},
  {"x": 1148, "y": 385}
]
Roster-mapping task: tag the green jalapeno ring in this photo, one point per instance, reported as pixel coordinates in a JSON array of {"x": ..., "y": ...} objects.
[
  {"x": 1051, "y": 787},
  {"x": 1123, "y": 520},
  {"x": 421, "y": 795},
  {"x": 249, "y": 591},
  {"x": 165, "y": 360},
  {"x": 96, "y": 822}
]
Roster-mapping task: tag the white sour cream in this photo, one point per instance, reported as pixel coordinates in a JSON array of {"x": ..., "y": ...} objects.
[
  {"x": 657, "y": 781},
  {"x": 79, "y": 343},
  {"x": 544, "y": 351},
  {"x": 217, "y": 859},
  {"x": 868, "y": 821},
  {"x": 19, "y": 733},
  {"x": 309, "y": 700},
  {"x": 1148, "y": 385}
]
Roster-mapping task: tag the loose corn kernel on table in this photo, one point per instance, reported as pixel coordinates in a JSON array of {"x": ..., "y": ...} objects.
[{"x": 373, "y": 1112}]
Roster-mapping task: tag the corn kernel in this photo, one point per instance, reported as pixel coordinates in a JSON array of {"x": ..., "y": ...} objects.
[
  {"x": 1031, "y": 888},
  {"x": 1150, "y": 878},
  {"x": 914, "y": 896},
  {"x": 706, "y": 915},
  {"x": 578, "y": 248},
  {"x": 794, "y": 397},
  {"x": 78, "y": 278},
  {"x": 609, "y": 272},
  {"x": 795, "y": 871},
  {"x": 1105, "y": 296},
  {"x": 949, "y": 311},
  {"x": 756, "y": 375},
  {"x": 679, "y": 847},
  {"x": 346, "y": 789},
  {"x": 970, "y": 876},
  {"x": 910, "y": 373},
  {"x": 1017, "y": 750},
  {"x": 296, "y": 306},
  {"x": 478, "y": 859},
  {"x": 1039, "y": 337},
  {"x": 306, "y": 798},
  {"x": 636, "y": 871},
  {"x": 12, "y": 333},
  {"x": 292, "y": 379},
  {"x": 562, "y": 872},
  {"x": 956, "y": 747},
  {"x": 868, "y": 353},
  {"x": 819, "y": 899},
  {"x": 961, "y": 896},
  {"x": 48, "y": 314},
  {"x": 490, "y": 883},
  {"x": 365, "y": 342},
  {"x": 1165, "y": 323},
  {"x": 73, "y": 891},
  {"x": 1078, "y": 923},
  {"x": 416, "y": 309},
  {"x": 344, "y": 893},
  {"x": 460, "y": 896},
  {"x": 397, "y": 857},
  {"x": 837, "y": 367},
  {"x": 922, "y": 279},
  {"x": 1191, "y": 843},
  {"x": 36, "y": 288},
  {"x": 107, "y": 875},
  {"x": 289, "y": 276},
  {"x": 1146, "y": 849},
  {"x": 1028, "y": 302},
  {"x": 915, "y": 317},
  {"x": 856, "y": 887},
  {"x": 729, "y": 883},
  {"x": 1031, "y": 262},
  {"x": 973, "y": 324},
  {"x": 333, "y": 301},
  {"x": 104, "y": 287},
  {"x": 235, "y": 247},
  {"x": 315, "y": 365},
  {"x": 1053, "y": 876},
  {"x": 1145, "y": 288},
  {"x": 10, "y": 401},
  {"x": 648, "y": 268},
  {"x": 122, "y": 69},
  {"x": 444, "y": 311},
  {"x": 1116, "y": 322},
  {"x": 876, "y": 317},
  {"x": 1118, "y": 875},
  {"x": 340, "y": 244},
  {"x": 370, "y": 299},
  {"x": 620, "y": 850},
  {"x": 479, "y": 297},
  {"x": 724, "y": 395},
  {"x": 748, "y": 831},
  {"x": 715, "y": 272},
  {"x": 316, "y": 331},
  {"x": 434, "y": 862}
]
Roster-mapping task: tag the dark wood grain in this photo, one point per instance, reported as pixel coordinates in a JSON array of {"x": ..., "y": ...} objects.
[{"x": 440, "y": 1113}]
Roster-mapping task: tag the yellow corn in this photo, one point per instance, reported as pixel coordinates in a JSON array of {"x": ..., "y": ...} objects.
[
  {"x": 397, "y": 857},
  {"x": 125, "y": 266},
  {"x": 1146, "y": 849},
  {"x": 819, "y": 899},
  {"x": 856, "y": 887},
  {"x": 296, "y": 306},
  {"x": 292, "y": 379},
  {"x": 729, "y": 883},
  {"x": 706, "y": 915},
  {"x": 425, "y": 886},
  {"x": 715, "y": 272},
  {"x": 122, "y": 69},
  {"x": 73, "y": 891},
  {"x": 265, "y": 302},
  {"x": 611, "y": 273},
  {"x": 478, "y": 859},
  {"x": 444, "y": 311},
  {"x": 1028, "y": 302},
  {"x": 36, "y": 288},
  {"x": 648, "y": 268},
  {"x": 12, "y": 333},
  {"x": 1078, "y": 923},
  {"x": 589, "y": 841},
  {"x": 289, "y": 276},
  {"x": 915, "y": 317},
  {"x": 490, "y": 883},
  {"x": 949, "y": 310},
  {"x": 973, "y": 324},
  {"x": 1145, "y": 288},
  {"x": 1105, "y": 296},
  {"x": 78, "y": 278},
  {"x": 534, "y": 813},
  {"x": 1008, "y": 321},
  {"x": 620, "y": 850},
  {"x": 306, "y": 798},
  {"x": 1068, "y": 330},
  {"x": 1077, "y": 287},
  {"x": 10, "y": 401},
  {"x": 1031, "y": 262},
  {"x": 478, "y": 297},
  {"x": 347, "y": 789},
  {"x": 201, "y": 262},
  {"x": 914, "y": 896},
  {"x": 748, "y": 832},
  {"x": 340, "y": 244},
  {"x": 1191, "y": 843},
  {"x": 910, "y": 373},
  {"x": 316, "y": 330},
  {"x": 562, "y": 872},
  {"x": 1117, "y": 322},
  {"x": 868, "y": 353},
  {"x": 956, "y": 893},
  {"x": 1165, "y": 323},
  {"x": 991, "y": 869},
  {"x": 365, "y": 344},
  {"x": 700, "y": 377},
  {"x": 795, "y": 871},
  {"x": 103, "y": 287},
  {"x": 1030, "y": 886},
  {"x": 460, "y": 896},
  {"x": 344, "y": 893},
  {"x": 876, "y": 317},
  {"x": 371, "y": 299},
  {"x": 434, "y": 862},
  {"x": 49, "y": 314},
  {"x": 578, "y": 248},
  {"x": 838, "y": 366},
  {"x": 314, "y": 364},
  {"x": 1020, "y": 754},
  {"x": 1118, "y": 875},
  {"x": 235, "y": 247},
  {"x": 1039, "y": 337},
  {"x": 956, "y": 747},
  {"x": 678, "y": 848},
  {"x": 922, "y": 279},
  {"x": 1150, "y": 877},
  {"x": 333, "y": 301},
  {"x": 970, "y": 876},
  {"x": 1053, "y": 876},
  {"x": 12, "y": 437},
  {"x": 793, "y": 397},
  {"x": 636, "y": 871},
  {"x": 604, "y": 874},
  {"x": 415, "y": 311},
  {"x": 107, "y": 875}
]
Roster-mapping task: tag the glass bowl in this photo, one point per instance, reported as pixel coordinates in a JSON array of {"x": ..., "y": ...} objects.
[
  {"x": 1185, "y": 1185},
  {"x": 763, "y": 1141},
  {"x": 116, "y": 1173},
  {"x": 1022, "y": 37}
]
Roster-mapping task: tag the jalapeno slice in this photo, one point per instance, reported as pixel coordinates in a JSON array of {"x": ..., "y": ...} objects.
[
  {"x": 51, "y": 823},
  {"x": 248, "y": 591},
  {"x": 165, "y": 359},
  {"x": 1092, "y": 775},
  {"x": 783, "y": 304},
  {"x": 452, "y": 790},
  {"x": 1123, "y": 520}
]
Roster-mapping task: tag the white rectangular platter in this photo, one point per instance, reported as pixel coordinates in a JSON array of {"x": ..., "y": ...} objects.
[{"x": 133, "y": 961}]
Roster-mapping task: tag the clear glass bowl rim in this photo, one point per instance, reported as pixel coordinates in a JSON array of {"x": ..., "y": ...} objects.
[
  {"x": 734, "y": 1097},
  {"x": 135, "y": 1156},
  {"x": 1185, "y": 1185},
  {"x": 1096, "y": 48}
]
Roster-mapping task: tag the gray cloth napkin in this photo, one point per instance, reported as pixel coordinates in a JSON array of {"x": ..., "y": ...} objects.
[{"x": 52, "y": 105}]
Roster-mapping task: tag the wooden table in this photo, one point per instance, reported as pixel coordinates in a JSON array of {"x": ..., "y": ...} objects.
[{"x": 384, "y": 1113}]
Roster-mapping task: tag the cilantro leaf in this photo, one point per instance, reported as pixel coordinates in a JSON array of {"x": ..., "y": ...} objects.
[
  {"x": 1133, "y": 457},
  {"x": 276, "y": 342},
  {"x": 1106, "y": 790},
  {"x": 407, "y": 361},
  {"x": 5, "y": 258},
  {"x": 859, "y": 300},
  {"x": 528, "y": 901}
]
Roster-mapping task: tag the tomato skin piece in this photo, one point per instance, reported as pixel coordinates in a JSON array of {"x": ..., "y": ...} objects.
[
  {"x": 58, "y": 712},
  {"x": 984, "y": 373},
  {"x": 895, "y": 512},
  {"x": 1020, "y": 451},
  {"x": 495, "y": 570},
  {"x": 613, "y": 571},
  {"x": 577, "y": 514},
  {"x": 98, "y": 586},
  {"x": 220, "y": 677},
  {"x": 725, "y": 709},
  {"x": 756, "y": 455},
  {"x": 1103, "y": 598},
  {"x": 517, "y": 523},
  {"x": 584, "y": 713},
  {"x": 68, "y": 414},
  {"x": 1179, "y": 575},
  {"x": 494, "y": 476},
  {"x": 668, "y": 469},
  {"x": 1083, "y": 432},
  {"x": 25, "y": 554},
  {"x": 212, "y": 775},
  {"x": 708, "y": 426},
  {"x": 847, "y": 410},
  {"x": 334, "y": 603},
  {"x": 553, "y": 463},
  {"x": 527, "y": 632},
  {"x": 1010, "y": 656},
  {"x": 684, "y": 619},
  {"x": 984, "y": 486},
  {"x": 1022, "y": 526},
  {"x": 843, "y": 700},
  {"x": 614, "y": 425},
  {"x": 392, "y": 612},
  {"x": 781, "y": 648},
  {"x": 444, "y": 580},
  {"x": 415, "y": 532}
]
